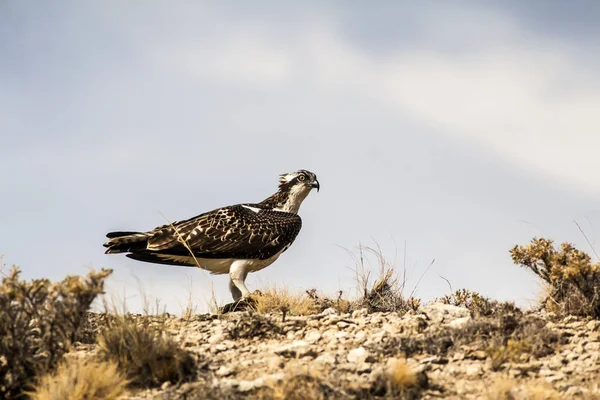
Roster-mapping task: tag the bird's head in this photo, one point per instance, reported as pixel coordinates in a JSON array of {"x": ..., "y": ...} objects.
[
  {"x": 293, "y": 189},
  {"x": 301, "y": 180}
]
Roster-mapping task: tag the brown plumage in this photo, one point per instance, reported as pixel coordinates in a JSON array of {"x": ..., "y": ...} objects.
[{"x": 235, "y": 239}]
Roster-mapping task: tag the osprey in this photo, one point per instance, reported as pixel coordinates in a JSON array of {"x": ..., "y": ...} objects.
[{"x": 232, "y": 240}]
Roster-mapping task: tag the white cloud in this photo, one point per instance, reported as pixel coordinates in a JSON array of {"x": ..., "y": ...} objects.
[
  {"x": 523, "y": 96},
  {"x": 232, "y": 60}
]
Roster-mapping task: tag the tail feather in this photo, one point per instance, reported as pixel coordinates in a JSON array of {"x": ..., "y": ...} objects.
[
  {"x": 117, "y": 234},
  {"x": 121, "y": 242}
]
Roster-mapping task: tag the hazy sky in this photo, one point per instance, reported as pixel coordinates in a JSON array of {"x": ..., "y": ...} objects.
[{"x": 461, "y": 128}]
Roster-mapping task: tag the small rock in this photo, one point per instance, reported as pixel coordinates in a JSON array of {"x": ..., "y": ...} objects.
[
  {"x": 364, "y": 368},
  {"x": 593, "y": 325},
  {"x": 440, "y": 312},
  {"x": 363, "y": 312},
  {"x": 218, "y": 337},
  {"x": 592, "y": 347},
  {"x": 459, "y": 322},
  {"x": 298, "y": 348},
  {"x": 360, "y": 336},
  {"x": 275, "y": 362},
  {"x": 312, "y": 336},
  {"x": 342, "y": 324},
  {"x": 224, "y": 371},
  {"x": 326, "y": 358},
  {"x": 558, "y": 376},
  {"x": 478, "y": 355},
  {"x": 219, "y": 347},
  {"x": 474, "y": 370},
  {"x": 329, "y": 311},
  {"x": 573, "y": 392},
  {"x": 247, "y": 386},
  {"x": 358, "y": 355}
]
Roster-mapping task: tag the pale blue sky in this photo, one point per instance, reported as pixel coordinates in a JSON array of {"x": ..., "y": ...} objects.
[{"x": 460, "y": 127}]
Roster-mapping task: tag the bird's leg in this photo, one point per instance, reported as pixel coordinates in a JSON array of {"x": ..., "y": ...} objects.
[
  {"x": 237, "y": 275},
  {"x": 235, "y": 292}
]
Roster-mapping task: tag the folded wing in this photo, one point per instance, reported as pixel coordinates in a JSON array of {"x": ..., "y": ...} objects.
[{"x": 241, "y": 231}]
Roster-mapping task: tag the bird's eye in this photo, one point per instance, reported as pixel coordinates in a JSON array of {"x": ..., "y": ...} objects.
[{"x": 301, "y": 178}]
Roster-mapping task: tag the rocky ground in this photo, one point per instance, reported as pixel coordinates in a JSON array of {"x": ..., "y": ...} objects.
[{"x": 450, "y": 352}]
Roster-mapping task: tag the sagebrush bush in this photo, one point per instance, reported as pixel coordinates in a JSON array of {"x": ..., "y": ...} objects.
[
  {"x": 478, "y": 304},
  {"x": 144, "y": 352},
  {"x": 38, "y": 321},
  {"x": 573, "y": 279},
  {"x": 81, "y": 379}
]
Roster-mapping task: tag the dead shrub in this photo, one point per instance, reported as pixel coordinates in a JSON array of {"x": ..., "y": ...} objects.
[
  {"x": 253, "y": 325},
  {"x": 80, "y": 379},
  {"x": 399, "y": 380},
  {"x": 144, "y": 352},
  {"x": 478, "y": 304},
  {"x": 340, "y": 304},
  {"x": 573, "y": 278},
  {"x": 38, "y": 321},
  {"x": 385, "y": 295}
]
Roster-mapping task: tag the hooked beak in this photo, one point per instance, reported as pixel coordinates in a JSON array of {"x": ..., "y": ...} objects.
[{"x": 316, "y": 185}]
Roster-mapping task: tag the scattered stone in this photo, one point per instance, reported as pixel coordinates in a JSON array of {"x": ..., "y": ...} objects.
[
  {"x": 298, "y": 349},
  {"x": 312, "y": 336},
  {"x": 459, "y": 322},
  {"x": 224, "y": 371},
  {"x": 358, "y": 355},
  {"x": 243, "y": 354},
  {"x": 444, "y": 313}
]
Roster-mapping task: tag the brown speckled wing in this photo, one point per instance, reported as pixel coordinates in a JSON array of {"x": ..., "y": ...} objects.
[{"x": 240, "y": 231}]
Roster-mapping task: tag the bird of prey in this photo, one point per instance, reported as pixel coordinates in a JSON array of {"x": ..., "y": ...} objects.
[{"x": 232, "y": 240}]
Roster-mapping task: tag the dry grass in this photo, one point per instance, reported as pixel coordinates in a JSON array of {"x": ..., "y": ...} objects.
[
  {"x": 400, "y": 375},
  {"x": 514, "y": 389},
  {"x": 144, "y": 352},
  {"x": 280, "y": 300},
  {"x": 385, "y": 294},
  {"x": 298, "y": 385},
  {"x": 399, "y": 380},
  {"x": 38, "y": 322},
  {"x": 80, "y": 379}
]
